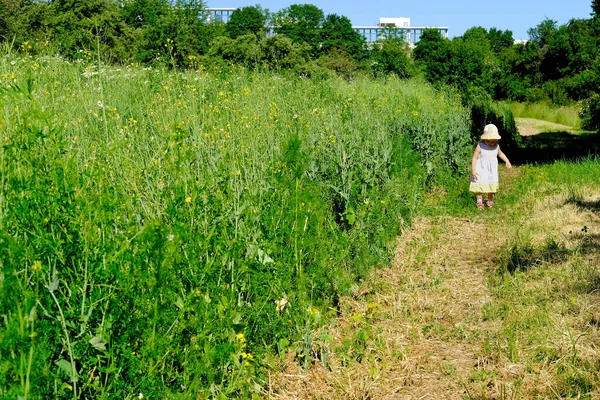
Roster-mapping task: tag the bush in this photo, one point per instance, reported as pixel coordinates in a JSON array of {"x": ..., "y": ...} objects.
[
  {"x": 486, "y": 111},
  {"x": 590, "y": 113}
]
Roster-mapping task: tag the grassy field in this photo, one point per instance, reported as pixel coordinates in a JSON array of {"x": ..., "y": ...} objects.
[
  {"x": 168, "y": 234},
  {"x": 547, "y": 113},
  {"x": 193, "y": 234}
]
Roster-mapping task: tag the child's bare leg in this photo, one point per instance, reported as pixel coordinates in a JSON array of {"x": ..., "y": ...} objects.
[
  {"x": 480, "y": 201},
  {"x": 490, "y": 200}
]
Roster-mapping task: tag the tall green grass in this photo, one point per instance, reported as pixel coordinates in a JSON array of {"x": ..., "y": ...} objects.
[
  {"x": 564, "y": 115},
  {"x": 166, "y": 233}
]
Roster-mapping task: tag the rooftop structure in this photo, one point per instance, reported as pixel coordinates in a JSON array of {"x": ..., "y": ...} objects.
[
  {"x": 219, "y": 14},
  {"x": 371, "y": 33},
  {"x": 411, "y": 34}
]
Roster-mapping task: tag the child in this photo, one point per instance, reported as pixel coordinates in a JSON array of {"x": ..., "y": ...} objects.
[{"x": 484, "y": 166}]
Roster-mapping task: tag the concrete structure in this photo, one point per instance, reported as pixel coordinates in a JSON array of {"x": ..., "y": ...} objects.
[
  {"x": 399, "y": 26},
  {"x": 219, "y": 14}
]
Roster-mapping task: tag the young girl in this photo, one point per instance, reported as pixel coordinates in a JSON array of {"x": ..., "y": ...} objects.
[{"x": 484, "y": 166}]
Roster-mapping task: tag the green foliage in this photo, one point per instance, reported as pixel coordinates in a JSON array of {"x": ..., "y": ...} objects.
[
  {"x": 429, "y": 44},
  {"x": 500, "y": 40},
  {"x": 542, "y": 33},
  {"x": 595, "y": 8},
  {"x": 301, "y": 23},
  {"x": 246, "y": 20},
  {"x": 485, "y": 111},
  {"x": 172, "y": 34},
  {"x": 275, "y": 52},
  {"x": 337, "y": 35},
  {"x": 25, "y": 25},
  {"x": 281, "y": 53},
  {"x": 391, "y": 56},
  {"x": 91, "y": 26},
  {"x": 590, "y": 113},
  {"x": 163, "y": 233},
  {"x": 339, "y": 62}
]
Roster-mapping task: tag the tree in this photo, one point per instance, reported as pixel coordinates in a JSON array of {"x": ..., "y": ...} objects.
[
  {"x": 87, "y": 24},
  {"x": 477, "y": 34},
  {"x": 428, "y": 45},
  {"x": 500, "y": 40},
  {"x": 596, "y": 8},
  {"x": 172, "y": 32},
  {"x": 246, "y": 20},
  {"x": 542, "y": 32},
  {"x": 391, "y": 55},
  {"x": 301, "y": 23},
  {"x": 337, "y": 33},
  {"x": 25, "y": 21}
]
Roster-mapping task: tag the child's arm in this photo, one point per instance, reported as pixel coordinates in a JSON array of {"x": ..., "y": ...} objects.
[
  {"x": 504, "y": 158},
  {"x": 474, "y": 162}
]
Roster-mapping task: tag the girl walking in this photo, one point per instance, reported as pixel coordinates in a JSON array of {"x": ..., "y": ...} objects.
[{"x": 484, "y": 166}]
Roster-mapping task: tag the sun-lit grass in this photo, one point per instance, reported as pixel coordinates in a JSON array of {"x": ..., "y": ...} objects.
[{"x": 564, "y": 115}]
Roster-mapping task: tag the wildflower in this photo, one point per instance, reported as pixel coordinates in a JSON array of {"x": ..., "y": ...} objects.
[
  {"x": 241, "y": 338},
  {"x": 188, "y": 199},
  {"x": 170, "y": 237},
  {"x": 37, "y": 266}
]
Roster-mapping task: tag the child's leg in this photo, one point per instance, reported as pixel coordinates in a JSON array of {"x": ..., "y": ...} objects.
[
  {"x": 490, "y": 200},
  {"x": 480, "y": 201}
]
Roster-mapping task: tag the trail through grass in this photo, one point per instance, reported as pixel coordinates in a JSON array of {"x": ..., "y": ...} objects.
[{"x": 502, "y": 304}]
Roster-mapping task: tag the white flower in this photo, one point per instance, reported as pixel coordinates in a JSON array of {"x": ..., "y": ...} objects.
[{"x": 170, "y": 237}]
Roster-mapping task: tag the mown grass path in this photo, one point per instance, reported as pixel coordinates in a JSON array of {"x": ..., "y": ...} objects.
[{"x": 437, "y": 325}]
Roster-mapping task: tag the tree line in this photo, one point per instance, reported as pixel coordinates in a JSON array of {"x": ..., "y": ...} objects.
[{"x": 559, "y": 63}]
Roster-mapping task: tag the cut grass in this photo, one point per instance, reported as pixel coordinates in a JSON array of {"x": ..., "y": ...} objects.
[{"x": 451, "y": 320}]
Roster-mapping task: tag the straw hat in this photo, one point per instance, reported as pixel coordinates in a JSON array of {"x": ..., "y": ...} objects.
[{"x": 490, "y": 132}]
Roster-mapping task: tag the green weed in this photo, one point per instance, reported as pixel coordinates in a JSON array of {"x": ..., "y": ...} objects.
[{"x": 163, "y": 233}]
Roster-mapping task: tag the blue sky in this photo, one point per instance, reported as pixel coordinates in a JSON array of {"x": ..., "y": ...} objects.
[{"x": 457, "y": 15}]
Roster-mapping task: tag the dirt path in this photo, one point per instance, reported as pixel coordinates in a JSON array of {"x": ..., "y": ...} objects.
[{"x": 416, "y": 331}]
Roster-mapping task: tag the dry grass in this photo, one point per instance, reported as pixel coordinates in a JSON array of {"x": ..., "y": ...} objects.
[
  {"x": 424, "y": 322},
  {"x": 532, "y": 126},
  {"x": 423, "y": 329}
]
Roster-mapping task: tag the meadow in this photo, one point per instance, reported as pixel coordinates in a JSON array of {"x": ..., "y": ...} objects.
[{"x": 176, "y": 234}]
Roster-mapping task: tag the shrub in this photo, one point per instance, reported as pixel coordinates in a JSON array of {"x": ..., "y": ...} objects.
[
  {"x": 590, "y": 113},
  {"x": 486, "y": 111}
]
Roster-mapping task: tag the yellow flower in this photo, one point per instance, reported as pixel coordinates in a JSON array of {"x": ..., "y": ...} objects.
[
  {"x": 241, "y": 338},
  {"x": 37, "y": 266},
  {"x": 188, "y": 199}
]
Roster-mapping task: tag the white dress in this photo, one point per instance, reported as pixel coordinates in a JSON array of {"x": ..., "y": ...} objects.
[{"x": 487, "y": 170}]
